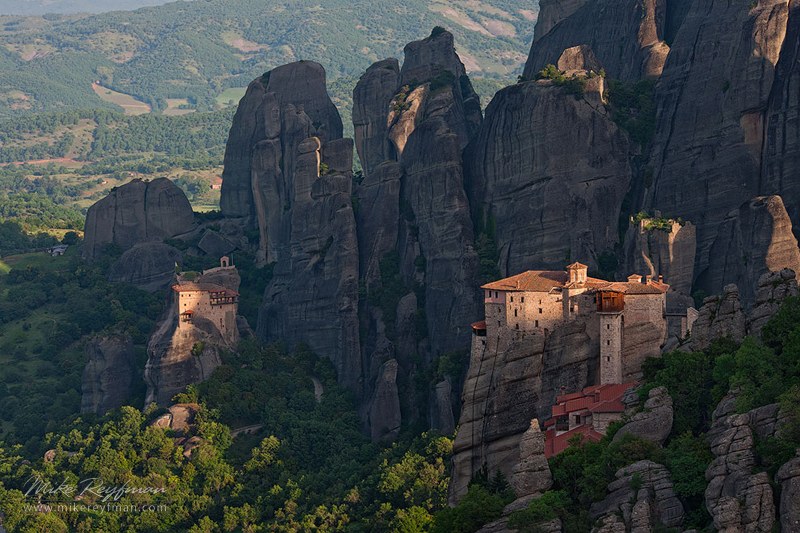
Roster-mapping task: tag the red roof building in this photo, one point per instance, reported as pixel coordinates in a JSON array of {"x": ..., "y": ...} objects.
[{"x": 587, "y": 413}]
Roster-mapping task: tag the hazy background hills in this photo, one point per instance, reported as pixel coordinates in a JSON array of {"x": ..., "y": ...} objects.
[
  {"x": 40, "y": 7},
  {"x": 199, "y": 55}
]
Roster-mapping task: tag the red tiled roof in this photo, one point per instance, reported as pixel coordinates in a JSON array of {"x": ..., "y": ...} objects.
[
  {"x": 547, "y": 280},
  {"x": 188, "y": 312},
  {"x": 597, "y": 399},
  {"x": 479, "y": 325},
  {"x": 555, "y": 444},
  {"x": 203, "y": 287}
]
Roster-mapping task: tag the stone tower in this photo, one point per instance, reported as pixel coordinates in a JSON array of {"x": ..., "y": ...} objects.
[{"x": 610, "y": 305}]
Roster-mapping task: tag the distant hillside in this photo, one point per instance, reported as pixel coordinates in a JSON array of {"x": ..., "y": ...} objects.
[
  {"x": 200, "y": 55},
  {"x": 40, "y": 7}
]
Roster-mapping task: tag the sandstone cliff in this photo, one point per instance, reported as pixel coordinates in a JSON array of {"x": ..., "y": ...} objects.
[
  {"x": 137, "y": 212},
  {"x": 755, "y": 239},
  {"x": 626, "y": 35},
  {"x": 258, "y": 117},
  {"x": 415, "y": 234},
  {"x": 289, "y": 173},
  {"x": 549, "y": 206},
  {"x": 717, "y": 80}
]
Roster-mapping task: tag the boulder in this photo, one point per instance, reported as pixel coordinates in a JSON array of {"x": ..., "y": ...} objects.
[
  {"x": 150, "y": 266},
  {"x": 139, "y": 211},
  {"x": 654, "y": 422},
  {"x": 215, "y": 244}
]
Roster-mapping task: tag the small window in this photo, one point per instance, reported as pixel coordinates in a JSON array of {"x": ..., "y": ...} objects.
[
  {"x": 512, "y": 298},
  {"x": 608, "y": 343},
  {"x": 515, "y": 312},
  {"x": 608, "y": 326},
  {"x": 540, "y": 310},
  {"x": 516, "y": 326},
  {"x": 522, "y": 299},
  {"x": 537, "y": 323}
]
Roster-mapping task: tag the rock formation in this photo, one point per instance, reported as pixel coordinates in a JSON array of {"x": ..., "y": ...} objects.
[
  {"x": 109, "y": 373},
  {"x": 668, "y": 252},
  {"x": 137, "y": 212},
  {"x": 289, "y": 172},
  {"x": 181, "y": 356},
  {"x": 789, "y": 478},
  {"x": 738, "y": 497},
  {"x": 150, "y": 266},
  {"x": 547, "y": 206},
  {"x": 313, "y": 296},
  {"x": 259, "y": 118},
  {"x": 384, "y": 416},
  {"x": 652, "y": 505},
  {"x": 781, "y": 149},
  {"x": 531, "y": 475},
  {"x": 626, "y": 35},
  {"x": 505, "y": 389},
  {"x": 755, "y": 239},
  {"x": 415, "y": 234},
  {"x": 654, "y": 423},
  {"x": 773, "y": 288},
  {"x": 706, "y": 155},
  {"x": 719, "y": 317}
]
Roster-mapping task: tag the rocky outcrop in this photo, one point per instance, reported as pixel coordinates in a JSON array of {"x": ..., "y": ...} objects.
[
  {"x": 717, "y": 80},
  {"x": 261, "y": 115},
  {"x": 289, "y": 171},
  {"x": 109, "y": 373},
  {"x": 501, "y": 525},
  {"x": 781, "y": 149},
  {"x": 551, "y": 172},
  {"x": 773, "y": 288},
  {"x": 384, "y": 414},
  {"x": 150, "y": 266},
  {"x": 654, "y": 422},
  {"x": 738, "y": 497},
  {"x": 755, "y": 239},
  {"x": 137, "y": 212},
  {"x": 665, "y": 250},
  {"x": 719, "y": 317},
  {"x": 313, "y": 296},
  {"x": 181, "y": 356},
  {"x": 506, "y": 388},
  {"x": 215, "y": 244},
  {"x": 372, "y": 97},
  {"x": 415, "y": 235},
  {"x": 650, "y": 506},
  {"x": 789, "y": 478},
  {"x": 531, "y": 475},
  {"x": 626, "y": 35}
]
